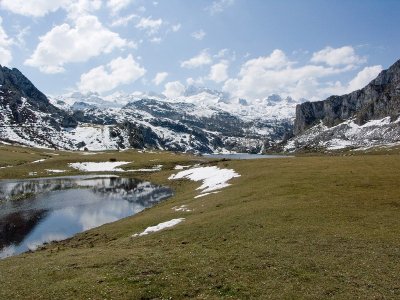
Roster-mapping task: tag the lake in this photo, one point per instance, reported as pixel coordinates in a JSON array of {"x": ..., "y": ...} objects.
[
  {"x": 243, "y": 156},
  {"x": 37, "y": 211}
]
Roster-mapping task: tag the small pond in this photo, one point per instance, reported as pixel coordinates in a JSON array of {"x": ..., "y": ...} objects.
[
  {"x": 243, "y": 156},
  {"x": 38, "y": 211}
]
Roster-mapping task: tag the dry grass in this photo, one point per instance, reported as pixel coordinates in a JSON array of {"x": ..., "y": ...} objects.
[{"x": 304, "y": 227}]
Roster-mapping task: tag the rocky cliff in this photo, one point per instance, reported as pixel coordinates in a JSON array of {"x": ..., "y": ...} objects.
[
  {"x": 21, "y": 101},
  {"x": 379, "y": 99}
]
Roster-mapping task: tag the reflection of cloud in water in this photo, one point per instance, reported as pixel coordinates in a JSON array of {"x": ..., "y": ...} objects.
[
  {"x": 71, "y": 205},
  {"x": 45, "y": 238},
  {"x": 7, "y": 251}
]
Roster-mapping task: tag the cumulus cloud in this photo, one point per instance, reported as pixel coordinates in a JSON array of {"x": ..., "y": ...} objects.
[
  {"x": 37, "y": 8},
  {"x": 117, "y": 5},
  {"x": 107, "y": 77},
  {"x": 40, "y": 8},
  {"x": 199, "y": 35},
  {"x": 362, "y": 78},
  {"x": 5, "y": 46},
  {"x": 174, "y": 89},
  {"x": 65, "y": 44},
  {"x": 219, "y": 72},
  {"x": 219, "y": 6},
  {"x": 78, "y": 8},
  {"x": 337, "y": 56},
  {"x": 160, "y": 77},
  {"x": 203, "y": 58},
  {"x": 150, "y": 25},
  {"x": 275, "y": 73}
]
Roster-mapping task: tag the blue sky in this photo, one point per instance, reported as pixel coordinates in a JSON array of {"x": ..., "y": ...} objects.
[{"x": 248, "y": 48}]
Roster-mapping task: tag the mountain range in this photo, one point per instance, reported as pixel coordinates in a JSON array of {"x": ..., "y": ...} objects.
[{"x": 201, "y": 121}]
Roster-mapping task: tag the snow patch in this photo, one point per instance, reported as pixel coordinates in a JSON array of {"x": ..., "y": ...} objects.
[
  {"x": 159, "y": 227},
  {"x": 179, "y": 167},
  {"x": 213, "y": 178},
  {"x": 99, "y": 166},
  {"x": 182, "y": 208},
  {"x": 55, "y": 171},
  {"x": 38, "y": 161},
  {"x": 205, "y": 194},
  {"x": 153, "y": 169}
]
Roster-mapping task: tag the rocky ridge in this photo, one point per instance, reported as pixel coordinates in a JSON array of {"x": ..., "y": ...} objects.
[{"x": 364, "y": 118}]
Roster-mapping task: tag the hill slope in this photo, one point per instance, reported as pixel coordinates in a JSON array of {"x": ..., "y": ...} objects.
[{"x": 363, "y": 118}]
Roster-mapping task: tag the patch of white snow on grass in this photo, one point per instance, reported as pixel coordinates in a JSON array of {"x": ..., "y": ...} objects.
[
  {"x": 182, "y": 208},
  {"x": 205, "y": 194},
  {"x": 213, "y": 178},
  {"x": 159, "y": 227},
  {"x": 38, "y": 161},
  {"x": 154, "y": 169},
  {"x": 55, "y": 171},
  {"x": 179, "y": 167},
  {"x": 107, "y": 166}
]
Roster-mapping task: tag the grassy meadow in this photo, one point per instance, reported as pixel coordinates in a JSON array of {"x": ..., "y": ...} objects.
[{"x": 307, "y": 227}]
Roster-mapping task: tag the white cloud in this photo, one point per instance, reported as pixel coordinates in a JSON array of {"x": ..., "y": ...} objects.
[
  {"x": 40, "y": 8},
  {"x": 156, "y": 40},
  {"x": 106, "y": 78},
  {"x": 150, "y": 25},
  {"x": 191, "y": 81},
  {"x": 358, "y": 82},
  {"x": 79, "y": 8},
  {"x": 5, "y": 46},
  {"x": 203, "y": 58},
  {"x": 117, "y": 5},
  {"x": 174, "y": 89},
  {"x": 219, "y": 72},
  {"x": 123, "y": 21},
  {"x": 276, "y": 74},
  {"x": 37, "y": 8},
  {"x": 337, "y": 56},
  {"x": 176, "y": 27},
  {"x": 364, "y": 77},
  {"x": 219, "y": 6},
  {"x": 199, "y": 35},
  {"x": 160, "y": 77},
  {"x": 20, "y": 36},
  {"x": 64, "y": 44}
]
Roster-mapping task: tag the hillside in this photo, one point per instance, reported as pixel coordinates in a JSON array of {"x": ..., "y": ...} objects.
[
  {"x": 202, "y": 121},
  {"x": 363, "y": 118}
]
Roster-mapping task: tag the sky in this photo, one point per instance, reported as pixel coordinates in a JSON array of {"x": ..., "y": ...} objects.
[{"x": 247, "y": 48}]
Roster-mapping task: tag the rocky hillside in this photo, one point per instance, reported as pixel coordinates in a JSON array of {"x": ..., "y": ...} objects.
[
  {"x": 363, "y": 118},
  {"x": 202, "y": 121},
  {"x": 379, "y": 99}
]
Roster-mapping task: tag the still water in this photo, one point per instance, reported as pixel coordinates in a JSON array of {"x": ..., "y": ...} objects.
[
  {"x": 37, "y": 211},
  {"x": 243, "y": 156}
]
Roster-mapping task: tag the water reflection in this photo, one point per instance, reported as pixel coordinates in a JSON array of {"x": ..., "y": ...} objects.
[{"x": 36, "y": 211}]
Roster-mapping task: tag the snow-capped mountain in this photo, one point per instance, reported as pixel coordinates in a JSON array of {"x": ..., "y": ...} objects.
[
  {"x": 201, "y": 120},
  {"x": 364, "y": 118}
]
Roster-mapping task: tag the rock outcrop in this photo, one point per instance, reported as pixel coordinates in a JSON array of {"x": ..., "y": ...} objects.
[
  {"x": 22, "y": 100},
  {"x": 379, "y": 99}
]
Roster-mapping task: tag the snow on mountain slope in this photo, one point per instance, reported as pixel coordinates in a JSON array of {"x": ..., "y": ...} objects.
[
  {"x": 202, "y": 120},
  {"x": 347, "y": 135}
]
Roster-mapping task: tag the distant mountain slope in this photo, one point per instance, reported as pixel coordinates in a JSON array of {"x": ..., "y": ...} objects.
[
  {"x": 26, "y": 115},
  {"x": 363, "y": 118},
  {"x": 201, "y": 121}
]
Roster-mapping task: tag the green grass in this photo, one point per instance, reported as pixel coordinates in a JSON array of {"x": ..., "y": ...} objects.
[{"x": 291, "y": 228}]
